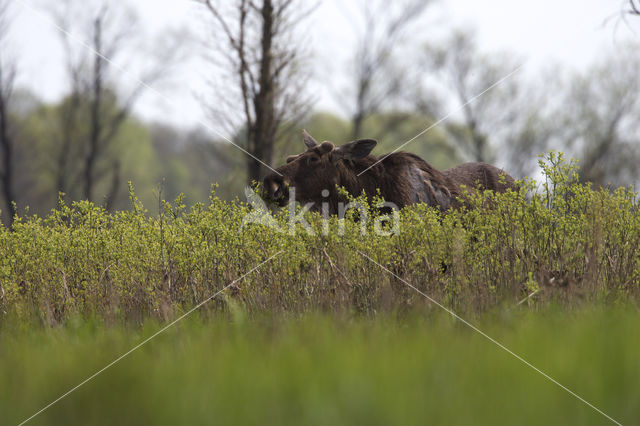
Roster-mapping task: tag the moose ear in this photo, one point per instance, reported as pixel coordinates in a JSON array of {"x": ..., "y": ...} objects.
[
  {"x": 355, "y": 150},
  {"x": 308, "y": 140}
]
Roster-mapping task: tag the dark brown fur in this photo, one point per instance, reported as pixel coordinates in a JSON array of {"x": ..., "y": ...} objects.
[{"x": 402, "y": 178}]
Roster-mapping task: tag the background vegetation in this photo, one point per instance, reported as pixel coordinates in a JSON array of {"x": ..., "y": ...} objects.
[{"x": 398, "y": 78}]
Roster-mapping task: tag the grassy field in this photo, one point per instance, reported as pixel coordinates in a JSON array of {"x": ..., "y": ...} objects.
[
  {"x": 327, "y": 331},
  {"x": 319, "y": 369}
]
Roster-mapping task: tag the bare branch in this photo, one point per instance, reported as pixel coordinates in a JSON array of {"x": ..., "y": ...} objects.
[
  {"x": 264, "y": 60},
  {"x": 95, "y": 95},
  {"x": 223, "y": 23},
  {"x": 385, "y": 26}
]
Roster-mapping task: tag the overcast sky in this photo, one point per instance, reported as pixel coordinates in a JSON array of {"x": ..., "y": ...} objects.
[{"x": 543, "y": 32}]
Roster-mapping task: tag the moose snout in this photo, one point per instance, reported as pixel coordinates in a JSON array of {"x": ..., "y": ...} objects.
[{"x": 275, "y": 188}]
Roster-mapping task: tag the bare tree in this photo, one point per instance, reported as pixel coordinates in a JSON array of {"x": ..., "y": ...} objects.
[
  {"x": 378, "y": 78},
  {"x": 634, "y": 7},
  {"x": 94, "y": 112},
  {"x": 263, "y": 59},
  {"x": 468, "y": 75},
  {"x": 599, "y": 117},
  {"x": 7, "y": 78},
  {"x": 529, "y": 134}
]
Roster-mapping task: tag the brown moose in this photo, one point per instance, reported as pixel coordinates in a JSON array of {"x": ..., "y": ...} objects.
[{"x": 402, "y": 178}]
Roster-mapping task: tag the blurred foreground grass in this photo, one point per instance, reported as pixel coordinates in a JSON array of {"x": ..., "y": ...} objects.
[{"x": 320, "y": 369}]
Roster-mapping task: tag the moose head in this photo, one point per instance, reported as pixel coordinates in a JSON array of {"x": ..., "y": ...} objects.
[{"x": 316, "y": 173}]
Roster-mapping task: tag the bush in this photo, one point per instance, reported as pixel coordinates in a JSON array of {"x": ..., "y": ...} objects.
[{"x": 562, "y": 241}]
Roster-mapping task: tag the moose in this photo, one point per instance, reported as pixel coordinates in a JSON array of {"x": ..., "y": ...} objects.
[{"x": 401, "y": 178}]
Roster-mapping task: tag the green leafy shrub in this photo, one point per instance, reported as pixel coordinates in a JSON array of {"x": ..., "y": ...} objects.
[{"x": 561, "y": 240}]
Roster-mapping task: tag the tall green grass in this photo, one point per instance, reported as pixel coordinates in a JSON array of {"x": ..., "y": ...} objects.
[{"x": 319, "y": 369}]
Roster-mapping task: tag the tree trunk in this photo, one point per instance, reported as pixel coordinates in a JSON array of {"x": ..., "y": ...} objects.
[
  {"x": 7, "y": 158},
  {"x": 362, "y": 96},
  {"x": 358, "y": 118},
  {"x": 6, "y": 144},
  {"x": 262, "y": 136},
  {"x": 96, "y": 123},
  {"x": 115, "y": 186},
  {"x": 478, "y": 140},
  {"x": 479, "y": 143},
  {"x": 68, "y": 120}
]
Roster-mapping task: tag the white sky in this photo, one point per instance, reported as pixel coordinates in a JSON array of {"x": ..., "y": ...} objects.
[{"x": 544, "y": 32}]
